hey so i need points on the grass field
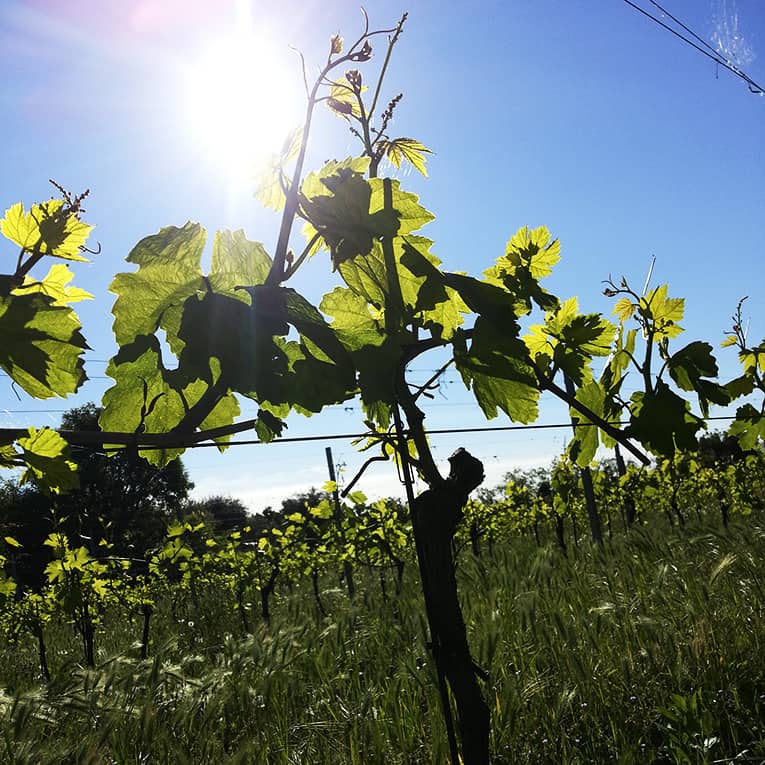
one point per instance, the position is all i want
(649, 650)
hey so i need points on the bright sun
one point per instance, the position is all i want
(241, 104)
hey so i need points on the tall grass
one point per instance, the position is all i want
(651, 649)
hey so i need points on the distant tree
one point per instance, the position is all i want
(718, 448)
(298, 502)
(25, 515)
(121, 498)
(537, 479)
(224, 514)
(264, 521)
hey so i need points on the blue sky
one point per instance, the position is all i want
(585, 117)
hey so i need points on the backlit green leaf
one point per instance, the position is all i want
(664, 312)
(46, 455)
(54, 285)
(271, 178)
(152, 297)
(495, 367)
(532, 248)
(408, 149)
(20, 227)
(748, 427)
(146, 397)
(342, 99)
(689, 366)
(583, 446)
(237, 262)
(47, 228)
(662, 421)
(42, 345)
(624, 309)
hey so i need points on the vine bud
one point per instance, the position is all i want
(354, 78)
(364, 54)
(336, 45)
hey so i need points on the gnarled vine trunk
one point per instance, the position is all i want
(435, 516)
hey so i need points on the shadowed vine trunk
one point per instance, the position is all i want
(435, 515)
(42, 653)
(265, 594)
(383, 589)
(674, 504)
(629, 502)
(722, 500)
(347, 568)
(88, 631)
(242, 609)
(559, 532)
(399, 576)
(475, 539)
(316, 594)
(146, 611)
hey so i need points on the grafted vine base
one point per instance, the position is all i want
(435, 516)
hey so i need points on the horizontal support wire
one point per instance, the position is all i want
(158, 441)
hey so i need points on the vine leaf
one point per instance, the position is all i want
(271, 180)
(664, 312)
(689, 366)
(45, 454)
(245, 341)
(349, 211)
(409, 150)
(46, 229)
(624, 309)
(237, 262)
(529, 256)
(55, 284)
(438, 307)
(346, 219)
(152, 297)
(585, 442)
(342, 99)
(568, 340)
(662, 421)
(42, 345)
(495, 367)
(352, 319)
(210, 325)
(748, 427)
(146, 397)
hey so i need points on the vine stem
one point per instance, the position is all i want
(546, 384)
(292, 203)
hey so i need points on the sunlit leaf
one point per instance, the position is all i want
(342, 99)
(582, 448)
(42, 345)
(689, 366)
(409, 150)
(662, 421)
(271, 179)
(748, 427)
(152, 297)
(664, 312)
(47, 228)
(46, 455)
(55, 286)
(624, 309)
(237, 262)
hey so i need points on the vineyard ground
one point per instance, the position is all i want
(651, 650)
